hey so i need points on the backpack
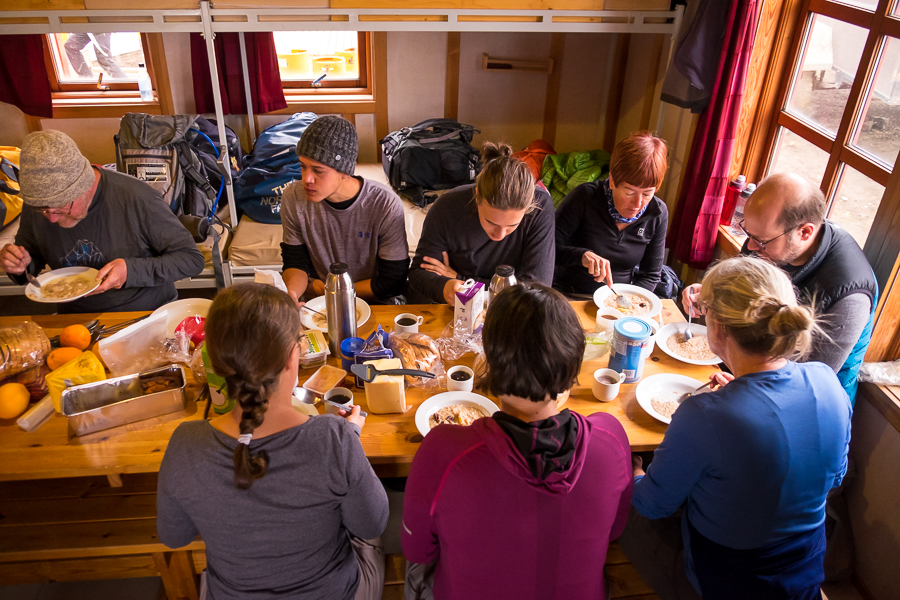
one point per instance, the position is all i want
(10, 201)
(432, 155)
(202, 145)
(270, 168)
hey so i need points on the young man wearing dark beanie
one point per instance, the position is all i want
(331, 216)
(80, 215)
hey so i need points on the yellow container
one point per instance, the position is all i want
(300, 61)
(349, 56)
(86, 368)
(332, 65)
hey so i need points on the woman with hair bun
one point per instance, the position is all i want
(284, 502)
(614, 230)
(503, 219)
(753, 461)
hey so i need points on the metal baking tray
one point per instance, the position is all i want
(95, 406)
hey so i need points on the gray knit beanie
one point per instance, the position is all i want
(52, 170)
(332, 141)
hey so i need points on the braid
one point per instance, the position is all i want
(249, 466)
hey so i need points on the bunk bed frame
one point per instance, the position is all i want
(208, 20)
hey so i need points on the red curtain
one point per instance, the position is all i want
(696, 219)
(262, 63)
(23, 75)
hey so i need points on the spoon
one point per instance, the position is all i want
(687, 395)
(32, 280)
(314, 310)
(688, 334)
(307, 397)
(368, 373)
(621, 301)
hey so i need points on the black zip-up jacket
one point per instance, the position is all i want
(583, 224)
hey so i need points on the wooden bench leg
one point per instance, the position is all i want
(177, 572)
(115, 480)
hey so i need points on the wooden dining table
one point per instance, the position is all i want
(389, 440)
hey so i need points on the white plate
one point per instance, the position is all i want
(34, 293)
(603, 292)
(319, 304)
(666, 331)
(435, 403)
(178, 311)
(663, 382)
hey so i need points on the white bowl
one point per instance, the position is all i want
(603, 292)
(318, 304)
(663, 382)
(435, 403)
(666, 331)
(34, 293)
(178, 311)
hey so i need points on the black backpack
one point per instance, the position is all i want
(432, 155)
(202, 147)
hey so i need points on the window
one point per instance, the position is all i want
(77, 60)
(839, 120)
(305, 56)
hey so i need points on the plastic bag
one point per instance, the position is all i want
(22, 346)
(139, 347)
(456, 342)
(375, 347)
(86, 368)
(197, 367)
(418, 351)
(881, 373)
(596, 344)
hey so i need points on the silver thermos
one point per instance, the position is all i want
(504, 277)
(340, 306)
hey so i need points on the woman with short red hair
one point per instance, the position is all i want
(614, 230)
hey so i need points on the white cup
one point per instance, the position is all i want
(341, 396)
(413, 328)
(606, 319)
(606, 384)
(460, 386)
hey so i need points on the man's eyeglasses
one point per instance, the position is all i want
(759, 242)
(49, 212)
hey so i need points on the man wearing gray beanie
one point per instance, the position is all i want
(332, 216)
(79, 215)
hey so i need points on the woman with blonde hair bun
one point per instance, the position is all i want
(752, 461)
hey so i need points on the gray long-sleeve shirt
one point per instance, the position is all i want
(127, 219)
(452, 226)
(287, 536)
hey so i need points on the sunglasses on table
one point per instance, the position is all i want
(759, 242)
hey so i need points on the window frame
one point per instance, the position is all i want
(361, 85)
(57, 86)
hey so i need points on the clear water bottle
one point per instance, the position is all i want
(144, 84)
(340, 306)
(504, 277)
(739, 209)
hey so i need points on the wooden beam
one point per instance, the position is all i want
(652, 76)
(616, 85)
(551, 103)
(157, 59)
(380, 86)
(34, 123)
(451, 85)
(350, 117)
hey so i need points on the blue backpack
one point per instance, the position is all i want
(270, 168)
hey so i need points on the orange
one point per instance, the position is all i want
(14, 399)
(61, 356)
(75, 336)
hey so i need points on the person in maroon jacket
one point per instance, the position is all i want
(522, 504)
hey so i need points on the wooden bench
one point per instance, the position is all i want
(83, 529)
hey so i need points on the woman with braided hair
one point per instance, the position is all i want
(750, 462)
(283, 501)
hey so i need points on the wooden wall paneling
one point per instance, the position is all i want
(157, 59)
(451, 87)
(350, 117)
(379, 67)
(616, 85)
(650, 97)
(17, 5)
(551, 103)
(34, 123)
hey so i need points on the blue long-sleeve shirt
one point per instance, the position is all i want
(753, 461)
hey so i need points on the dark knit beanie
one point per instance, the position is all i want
(332, 141)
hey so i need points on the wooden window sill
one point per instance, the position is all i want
(92, 105)
(886, 398)
(729, 243)
(327, 102)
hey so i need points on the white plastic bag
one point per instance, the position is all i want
(882, 373)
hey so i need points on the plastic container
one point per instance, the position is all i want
(630, 336)
(138, 347)
(732, 192)
(144, 84)
(314, 349)
(324, 379)
(349, 349)
(738, 215)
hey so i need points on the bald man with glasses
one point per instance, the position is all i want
(784, 222)
(78, 215)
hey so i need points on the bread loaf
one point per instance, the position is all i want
(415, 351)
(22, 346)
